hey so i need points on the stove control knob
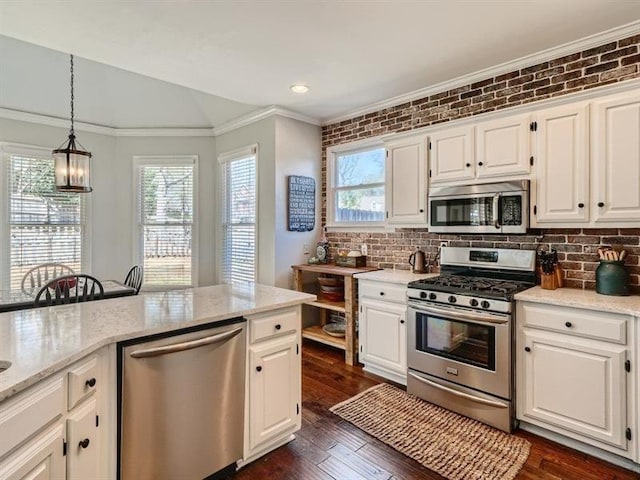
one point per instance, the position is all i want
(473, 302)
(452, 299)
(432, 296)
(423, 294)
(485, 304)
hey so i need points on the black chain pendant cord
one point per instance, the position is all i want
(72, 130)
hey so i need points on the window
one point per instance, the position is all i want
(357, 186)
(165, 197)
(239, 179)
(42, 225)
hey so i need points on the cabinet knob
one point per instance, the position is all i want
(278, 326)
(527, 349)
(568, 324)
(601, 204)
(422, 210)
(468, 165)
(83, 443)
(258, 368)
(382, 294)
(401, 321)
(91, 382)
(480, 163)
(581, 205)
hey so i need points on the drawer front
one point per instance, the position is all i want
(388, 292)
(610, 327)
(83, 381)
(273, 324)
(31, 412)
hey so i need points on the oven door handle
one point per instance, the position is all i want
(458, 315)
(468, 396)
(496, 214)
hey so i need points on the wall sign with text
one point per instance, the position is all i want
(301, 203)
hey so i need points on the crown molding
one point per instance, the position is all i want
(258, 115)
(157, 132)
(54, 121)
(585, 43)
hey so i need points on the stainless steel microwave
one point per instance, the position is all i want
(486, 208)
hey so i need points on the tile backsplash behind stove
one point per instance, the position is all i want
(577, 248)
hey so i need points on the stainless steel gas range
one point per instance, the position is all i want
(460, 332)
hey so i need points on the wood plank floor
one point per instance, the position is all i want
(328, 448)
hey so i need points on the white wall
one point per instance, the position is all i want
(112, 212)
(298, 152)
(285, 147)
(262, 133)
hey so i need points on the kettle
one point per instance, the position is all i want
(418, 262)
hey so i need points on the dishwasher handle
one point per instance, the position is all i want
(182, 346)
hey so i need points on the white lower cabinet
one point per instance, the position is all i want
(383, 330)
(52, 430)
(40, 459)
(273, 394)
(83, 446)
(574, 375)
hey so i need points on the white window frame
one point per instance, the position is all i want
(138, 239)
(237, 154)
(6, 150)
(332, 154)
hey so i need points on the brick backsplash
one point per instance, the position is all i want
(602, 65)
(577, 248)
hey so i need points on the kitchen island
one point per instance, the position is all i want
(63, 360)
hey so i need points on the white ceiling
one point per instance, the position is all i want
(351, 53)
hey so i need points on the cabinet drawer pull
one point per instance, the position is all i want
(568, 324)
(278, 326)
(259, 368)
(90, 383)
(83, 443)
(527, 349)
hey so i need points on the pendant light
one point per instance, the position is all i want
(72, 164)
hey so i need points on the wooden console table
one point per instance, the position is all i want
(349, 307)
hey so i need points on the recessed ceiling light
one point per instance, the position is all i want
(299, 88)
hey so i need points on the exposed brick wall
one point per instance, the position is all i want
(610, 63)
(577, 248)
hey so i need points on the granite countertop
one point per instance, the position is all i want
(589, 299)
(394, 276)
(42, 341)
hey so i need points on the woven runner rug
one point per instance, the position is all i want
(452, 445)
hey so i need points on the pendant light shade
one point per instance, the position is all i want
(72, 164)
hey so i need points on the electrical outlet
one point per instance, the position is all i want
(305, 249)
(444, 244)
(364, 250)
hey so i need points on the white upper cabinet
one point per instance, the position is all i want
(615, 156)
(452, 155)
(588, 164)
(503, 147)
(562, 164)
(406, 186)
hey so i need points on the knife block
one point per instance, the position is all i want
(549, 281)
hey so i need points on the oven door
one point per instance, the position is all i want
(463, 346)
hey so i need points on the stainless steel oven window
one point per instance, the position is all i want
(470, 343)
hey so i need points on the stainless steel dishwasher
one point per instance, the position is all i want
(181, 406)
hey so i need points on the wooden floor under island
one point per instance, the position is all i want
(328, 447)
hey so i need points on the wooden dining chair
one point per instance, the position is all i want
(41, 274)
(69, 289)
(134, 278)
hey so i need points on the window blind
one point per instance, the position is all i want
(45, 226)
(165, 202)
(239, 220)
